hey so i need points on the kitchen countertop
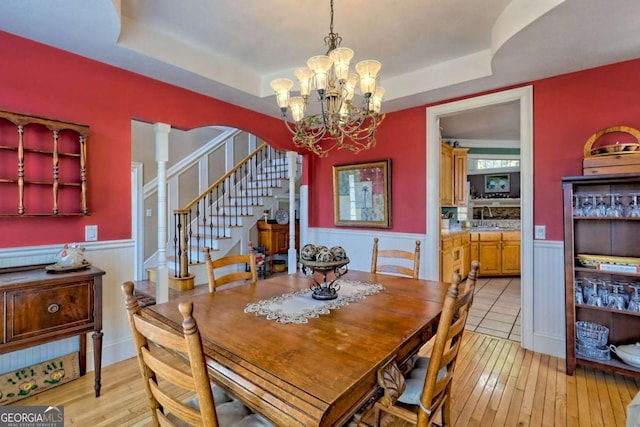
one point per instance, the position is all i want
(453, 232)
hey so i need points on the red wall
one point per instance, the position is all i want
(402, 139)
(40, 80)
(568, 109)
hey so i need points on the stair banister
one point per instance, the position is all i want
(233, 186)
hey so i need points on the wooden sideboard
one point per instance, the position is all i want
(38, 306)
(275, 239)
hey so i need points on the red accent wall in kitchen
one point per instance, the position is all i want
(40, 80)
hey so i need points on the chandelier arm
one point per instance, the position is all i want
(288, 125)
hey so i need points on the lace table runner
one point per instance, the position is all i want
(299, 306)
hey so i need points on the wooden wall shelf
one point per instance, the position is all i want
(42, 166)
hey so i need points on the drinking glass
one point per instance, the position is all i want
(616, 208)
(587, 205)
(633, 210)
(577, 208)
(578, 291)
(588, 289)
(634, 304)
(616, 299)
(603, 291)
(594, 298)
(601, 206)
(622, 292)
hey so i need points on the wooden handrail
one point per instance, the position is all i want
(220, 206)
(223, 177)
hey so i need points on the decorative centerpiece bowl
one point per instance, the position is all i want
(325, 289)
(331, 264)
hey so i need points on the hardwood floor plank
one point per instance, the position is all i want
(604, 400)
(491, 382)
(538, 398)
(594, 410)
(583, 397)
(561, 415)
(515, 406)
(548, 402)
(510, 387)
(500, 387)
(477, 385)
(465, 382)
(529, 390)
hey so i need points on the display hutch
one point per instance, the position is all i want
(611, 242)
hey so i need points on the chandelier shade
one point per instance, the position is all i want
(341, 123)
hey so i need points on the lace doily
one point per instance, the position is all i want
(299, 306)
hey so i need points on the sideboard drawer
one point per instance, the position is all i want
(42, 311)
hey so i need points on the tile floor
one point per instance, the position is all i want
(496, 308)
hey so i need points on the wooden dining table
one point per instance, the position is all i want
(318, 373)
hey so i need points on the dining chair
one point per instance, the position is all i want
(472, 277)
(230, 269)
(172, 364)
(393, 259)
(417, 396)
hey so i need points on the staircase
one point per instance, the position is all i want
(222, 216)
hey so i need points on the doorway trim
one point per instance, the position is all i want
(137, 220)
(524, 96)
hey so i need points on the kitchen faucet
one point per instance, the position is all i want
(482, 214)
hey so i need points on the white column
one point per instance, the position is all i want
(162, 156)
(292, 262)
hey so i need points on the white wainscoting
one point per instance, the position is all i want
(548, 327)
(116, 259)
(548, 298)
(359, 244)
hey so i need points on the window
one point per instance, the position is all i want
(484, 164)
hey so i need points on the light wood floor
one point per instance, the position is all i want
(497, 383)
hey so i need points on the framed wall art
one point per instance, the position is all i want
(361, 194)
(497, 183)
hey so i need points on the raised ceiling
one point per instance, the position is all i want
(430, 50)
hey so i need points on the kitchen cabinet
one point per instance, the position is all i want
(453, 250)
(466, 254)
(37, 306)
(446, 175)
(510, 256)
(460, 176)
(453, 175)
(497, 251)
(601, 250)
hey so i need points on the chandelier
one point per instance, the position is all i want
(340, 123)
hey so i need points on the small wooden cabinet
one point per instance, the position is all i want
(275, 239)
(446, 175)
(608, 236)
(37, 307)
(498, 252)
(454, 256)
(453, 175)
(460, 176)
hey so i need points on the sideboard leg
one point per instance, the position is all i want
(97, 359)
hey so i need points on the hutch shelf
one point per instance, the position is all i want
(42, 166)
(602, 249)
